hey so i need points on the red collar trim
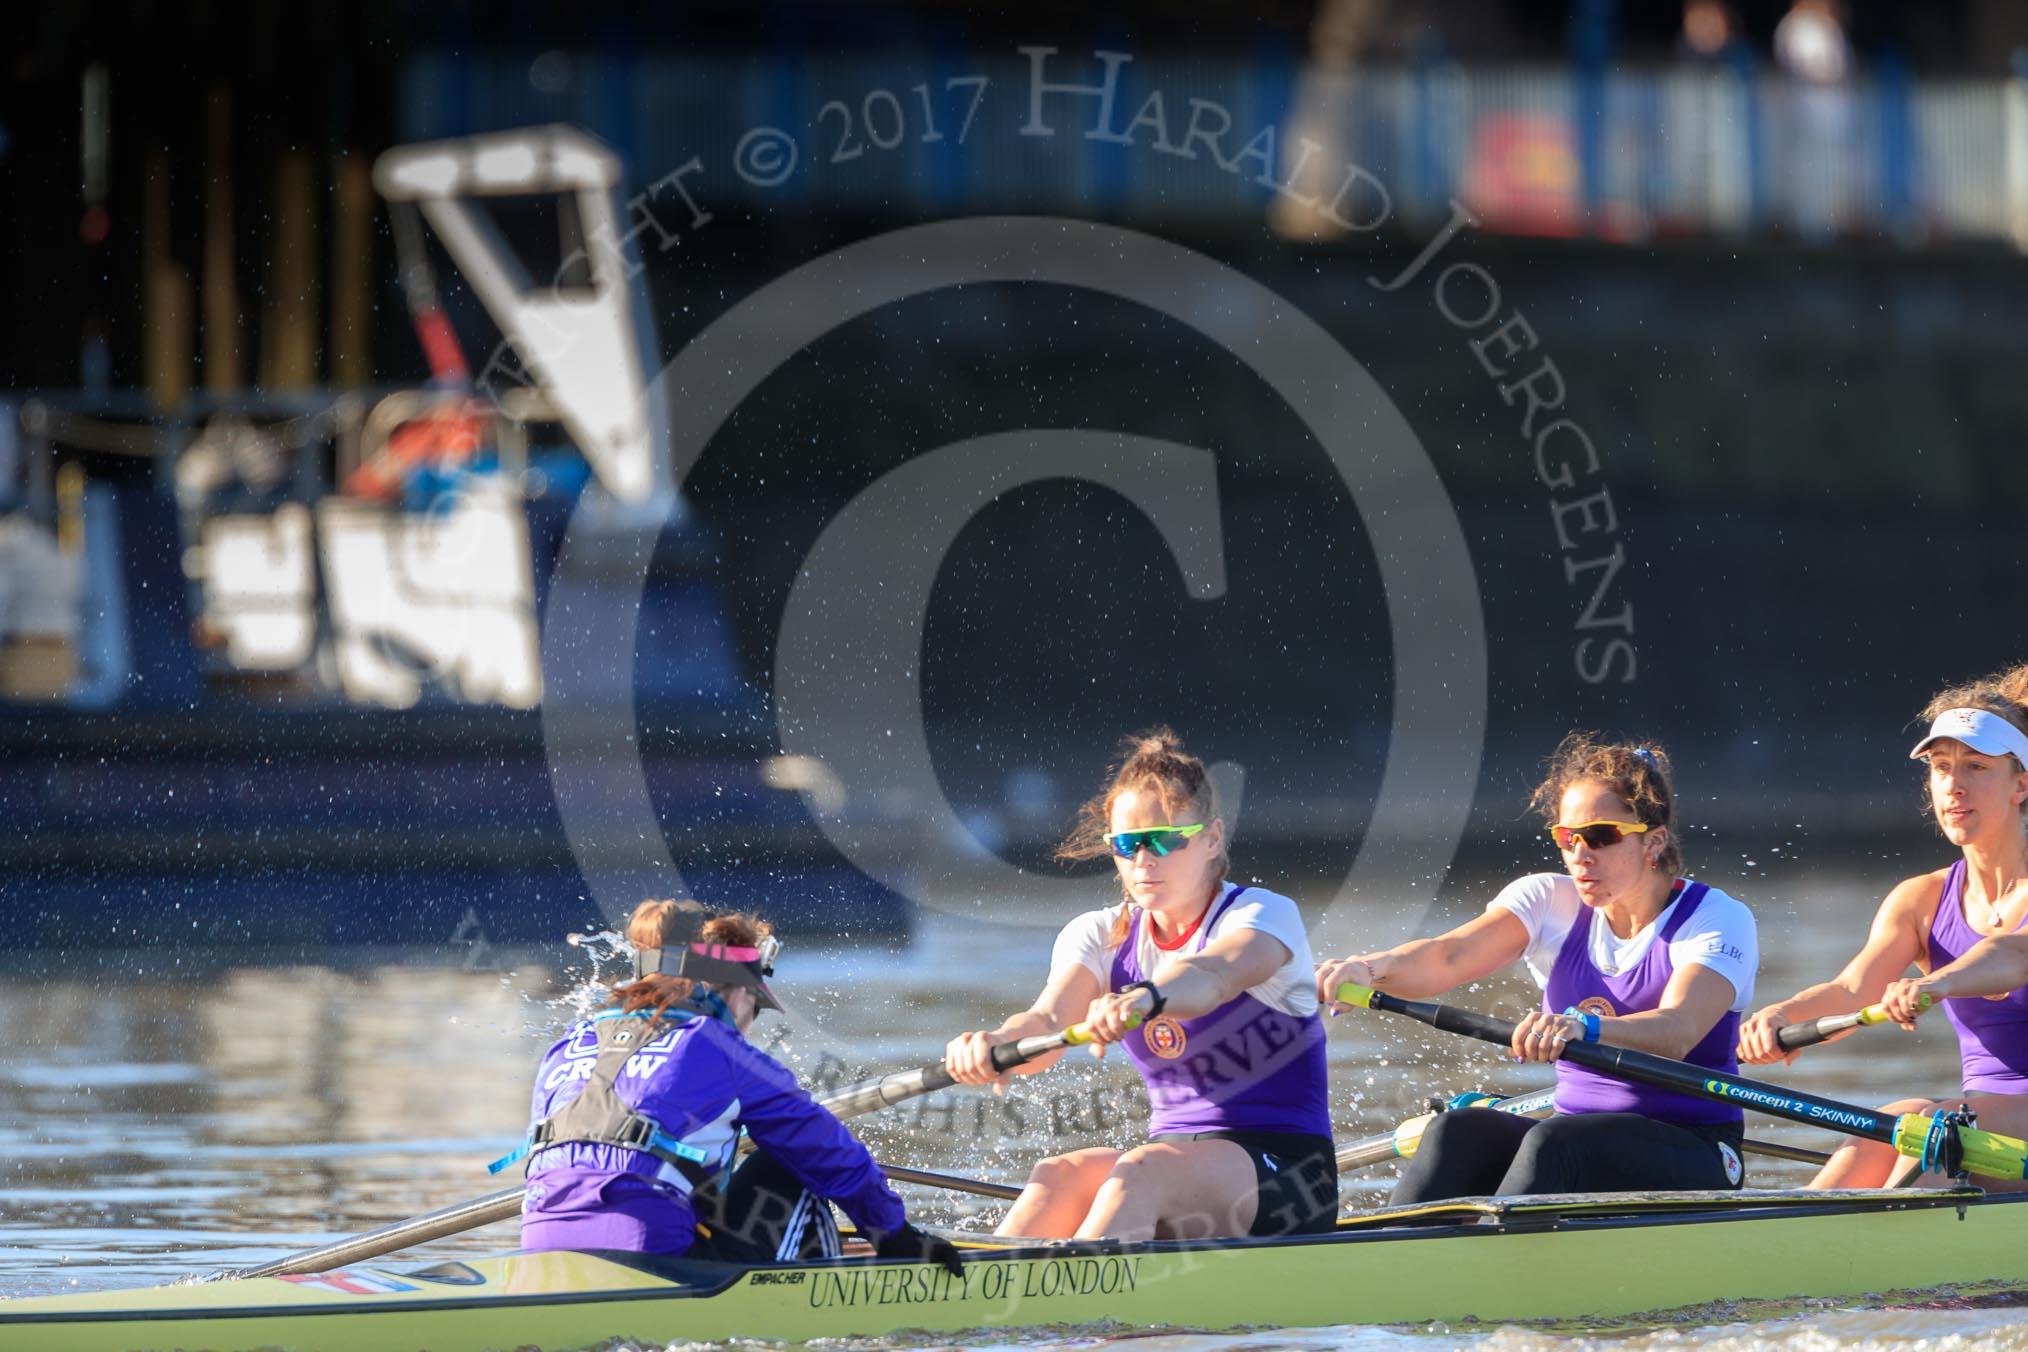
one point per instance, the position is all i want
(1189, 931)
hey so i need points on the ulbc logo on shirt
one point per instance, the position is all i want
(1597, 1004)
(1166, 1038)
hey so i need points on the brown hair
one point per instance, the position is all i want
(1639, 772)
(658, 924)
(1153, 762)
(2003, 694)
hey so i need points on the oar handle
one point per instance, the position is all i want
(1808, 1034)
(865, 1096)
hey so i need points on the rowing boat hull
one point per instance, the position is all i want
(1489, 1260)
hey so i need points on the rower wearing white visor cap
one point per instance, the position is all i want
(1961, 925)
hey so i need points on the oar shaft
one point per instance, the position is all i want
(1984, 1152)
(903, 1174)
(1642, 1068)
(1406, 1139)
(421, 1229)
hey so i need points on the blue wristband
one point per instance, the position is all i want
(1588, 1019)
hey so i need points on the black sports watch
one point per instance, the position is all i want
(1161, 1000)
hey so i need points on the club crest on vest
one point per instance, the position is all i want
(1166, 1038)
(1597, 1004)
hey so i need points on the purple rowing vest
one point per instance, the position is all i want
(1575, 981)
(1992, 1030)
(1242, 1067)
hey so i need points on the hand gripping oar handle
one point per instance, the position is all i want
(1799, 1035)
(851, 1101)
(867, 1095)
(1985, 1152)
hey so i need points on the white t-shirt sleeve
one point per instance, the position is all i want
(1722, 936)
(1293, 987)
(1082, 943)
(1270, 913)
(1548, 904)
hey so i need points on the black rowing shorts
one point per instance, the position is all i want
(1297, 1176)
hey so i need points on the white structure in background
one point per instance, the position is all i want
(446, 598)
(40, 585)
(586, 344)
(260, 587)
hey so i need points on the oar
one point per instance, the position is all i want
(902, 1174)
(1402, 1142)
(1799, 1035)
(851, 1101)
(1985, 1152)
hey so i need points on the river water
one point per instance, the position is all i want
(162, 1123)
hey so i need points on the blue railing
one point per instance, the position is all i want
(1613, 154)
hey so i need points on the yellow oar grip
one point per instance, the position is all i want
(1408, 1135)
(1874, 1014)
(1077, 1035)
(1987, 1153)
(1351, 993)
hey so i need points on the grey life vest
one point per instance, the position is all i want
(598, 1117)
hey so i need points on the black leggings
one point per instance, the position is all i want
(1482, 1152)
(762, 1214)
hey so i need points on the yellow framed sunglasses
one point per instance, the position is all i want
(1598, 835)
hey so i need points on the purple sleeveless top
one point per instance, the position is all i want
(1575, 981)
(1992, 1032)
(1242, 1067)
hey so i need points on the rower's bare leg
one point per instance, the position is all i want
(1867, 1164)
(1059, 1193)
(1179, 1190)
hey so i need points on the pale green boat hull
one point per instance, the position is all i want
(1573, 1260)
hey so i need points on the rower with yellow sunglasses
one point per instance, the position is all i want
(1206, 985)
(1627, 951)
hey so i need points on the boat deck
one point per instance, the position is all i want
(1476, 1258)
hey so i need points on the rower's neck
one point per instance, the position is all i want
(1630, 915)
(1993, 868)
(1166, 927)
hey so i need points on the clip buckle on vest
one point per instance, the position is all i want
(639, 1133)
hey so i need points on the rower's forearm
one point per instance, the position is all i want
(1997, 965)
(1417, 969)
(1673, 1033)
(1032, 1023)
(1836, 996)
(1190, 988)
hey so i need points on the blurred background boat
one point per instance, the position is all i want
(283, 509)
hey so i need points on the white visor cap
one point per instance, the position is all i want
(1987, 734)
